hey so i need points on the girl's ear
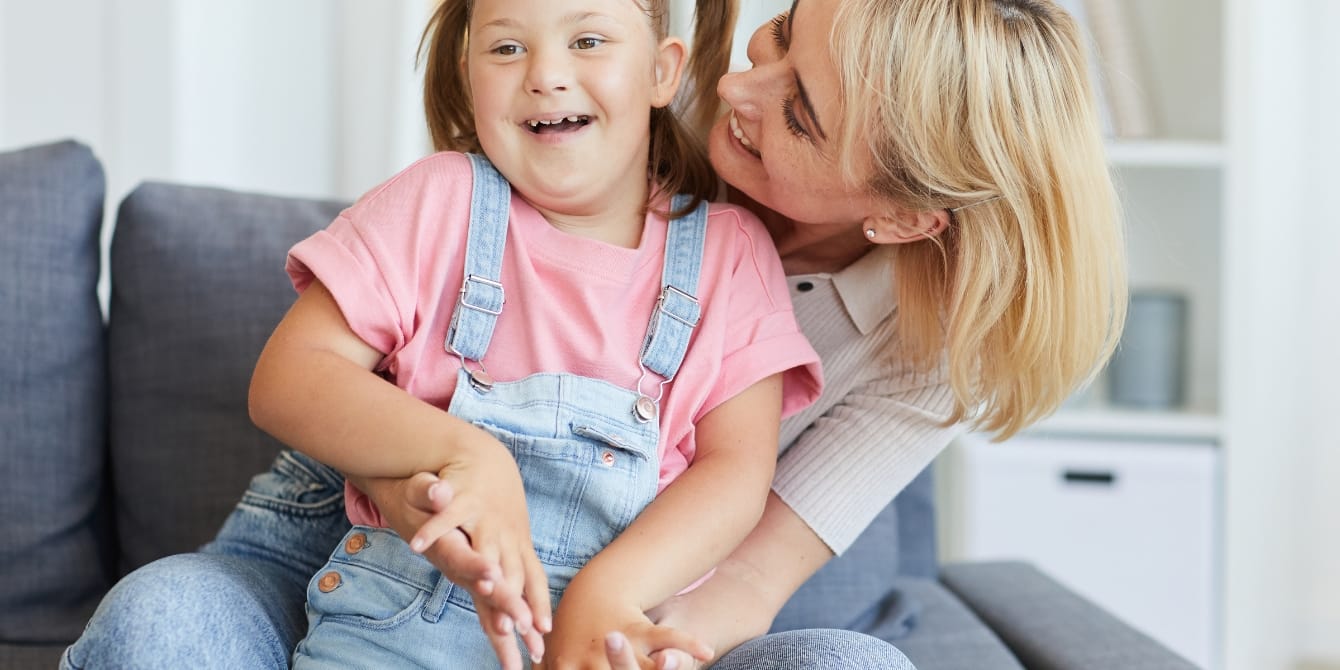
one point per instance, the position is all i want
(670, 57)
(906, 227)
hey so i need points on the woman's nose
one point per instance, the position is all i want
(746, 91)
(743, 90)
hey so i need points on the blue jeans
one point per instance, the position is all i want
(238, 602)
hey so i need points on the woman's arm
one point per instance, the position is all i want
(692, 526)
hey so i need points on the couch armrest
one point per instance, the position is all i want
(1049, 627)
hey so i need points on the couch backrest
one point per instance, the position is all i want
(198, 284)
(54, 566)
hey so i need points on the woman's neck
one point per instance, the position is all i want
(807, 248)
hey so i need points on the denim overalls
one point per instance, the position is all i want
(586, 449)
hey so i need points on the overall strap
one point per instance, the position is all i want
(481, 298)
(677, 311)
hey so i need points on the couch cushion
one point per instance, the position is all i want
(198, 284)
(52, 381)
(945, 634)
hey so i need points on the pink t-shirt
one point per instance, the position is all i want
(394, 263)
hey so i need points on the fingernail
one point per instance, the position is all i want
(544, 624)
(432, 492)
(536, 658)
(671, 662)
(505, 625)
(417, 545)
(485, 587)
(614, 641)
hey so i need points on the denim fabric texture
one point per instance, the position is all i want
(237, 603)
(588, 461)
(814, 650)
(56, 554)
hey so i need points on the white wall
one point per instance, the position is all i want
(1280, 359)
(316, 98)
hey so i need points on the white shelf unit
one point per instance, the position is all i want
(1125, 522)
(1124, 505)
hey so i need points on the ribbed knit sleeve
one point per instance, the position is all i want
(876, 426)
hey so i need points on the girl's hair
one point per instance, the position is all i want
(985, 108)
(677, 158)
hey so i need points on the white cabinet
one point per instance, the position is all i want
(1129, 524)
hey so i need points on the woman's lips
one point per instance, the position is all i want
(740, 136)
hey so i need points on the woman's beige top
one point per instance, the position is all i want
(877, 423)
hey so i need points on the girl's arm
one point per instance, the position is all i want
(890, 426)
(314, 390)
(691, 527)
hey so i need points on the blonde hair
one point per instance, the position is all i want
(677, 157)
(959, 102)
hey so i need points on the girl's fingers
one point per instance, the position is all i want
(453, 555)
(674, 659)
(621, 656)
(537, 593)
(438, 526)
(424, 491)
(498, 629)
(665, 638)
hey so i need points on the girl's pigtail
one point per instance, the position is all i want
(713, 28)
(446, 93)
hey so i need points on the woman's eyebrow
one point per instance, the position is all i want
(800, 86)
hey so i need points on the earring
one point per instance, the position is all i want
(870, 233)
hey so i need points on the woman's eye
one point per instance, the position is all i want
(779, 31)
(789, 116)
(587, 42)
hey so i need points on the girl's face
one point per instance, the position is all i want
(773, 142)
(562, 91)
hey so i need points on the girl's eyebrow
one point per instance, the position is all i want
(800, 86)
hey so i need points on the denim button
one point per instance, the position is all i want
(329, 582)
(607, 458)
(355, 544)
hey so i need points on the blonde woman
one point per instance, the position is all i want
(932, 174)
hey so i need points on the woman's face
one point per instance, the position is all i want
(773, 143)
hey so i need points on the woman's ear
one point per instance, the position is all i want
(905, 227)
(670, 58)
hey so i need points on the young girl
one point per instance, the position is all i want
(586, 349)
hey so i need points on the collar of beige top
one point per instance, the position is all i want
(865, 287)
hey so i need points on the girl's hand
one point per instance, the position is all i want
(621, 655)
(479, 537)
(593, 631)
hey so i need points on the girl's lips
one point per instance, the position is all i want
(740, 136)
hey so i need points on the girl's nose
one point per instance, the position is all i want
(547, 73)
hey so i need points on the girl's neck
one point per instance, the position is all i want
(805, 248)
(617, 221)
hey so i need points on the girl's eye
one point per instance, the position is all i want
(789, 116)
(779, 31)
(587, 42)
(507, 50)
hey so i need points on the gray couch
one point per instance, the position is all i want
(126, 440)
